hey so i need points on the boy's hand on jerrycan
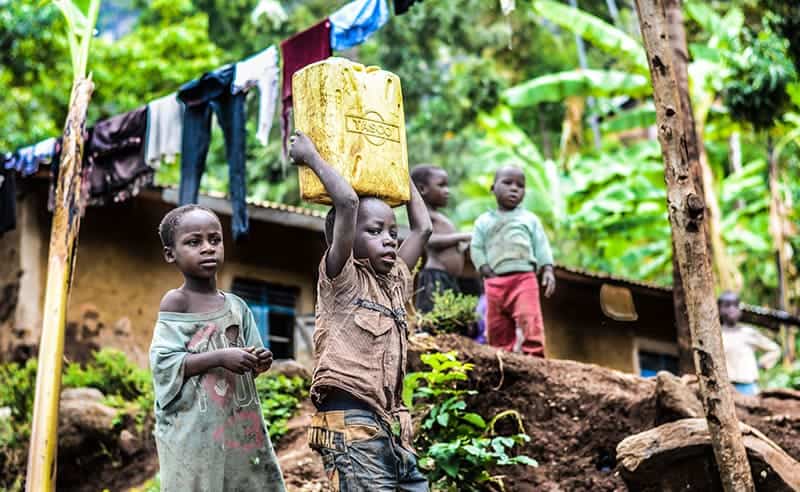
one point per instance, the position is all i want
(301, 150)
(237, 360)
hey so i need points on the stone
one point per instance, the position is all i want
(129, 443)
(85, 394)
(675, 400)
(678, 456)
(290, 368)
(82, 422)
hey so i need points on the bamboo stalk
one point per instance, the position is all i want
(41, 474)
(688, 215)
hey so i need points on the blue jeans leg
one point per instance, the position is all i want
(365, 456)
(194, 149)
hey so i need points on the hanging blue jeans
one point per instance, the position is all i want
(212, 93)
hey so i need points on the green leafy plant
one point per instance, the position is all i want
(452, 312)
(457, 447)
(280, 399)
(125, 385)
(756, 87)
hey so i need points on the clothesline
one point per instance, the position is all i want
(122, 152)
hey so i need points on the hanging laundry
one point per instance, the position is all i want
(402, 6)
(305, 48)
(508, 6)
(260, 70)
(352, 24)
(114, 156)
(164, 130)
(213, 92)
(27, 159)
(8, 201)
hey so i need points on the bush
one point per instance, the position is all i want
(280, 398)
(452, 313)
(457, 447)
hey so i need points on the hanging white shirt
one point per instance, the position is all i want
(260, 70)
(164, 130)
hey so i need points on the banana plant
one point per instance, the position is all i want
(80, 29)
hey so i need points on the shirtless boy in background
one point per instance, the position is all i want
(445, 257)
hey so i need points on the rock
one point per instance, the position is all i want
(678, 456)
(290, 368)
(82, 394)
(675, 400)
(84, 421)
(129, 443)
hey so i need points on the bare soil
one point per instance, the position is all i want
(575, 414)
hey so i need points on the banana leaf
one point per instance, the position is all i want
(558, 86)
(596, 31)
(638, 117)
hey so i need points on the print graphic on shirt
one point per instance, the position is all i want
(220, 385)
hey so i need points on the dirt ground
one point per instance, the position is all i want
(575, 413)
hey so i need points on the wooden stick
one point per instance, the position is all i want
(687, 214)
(41, 475)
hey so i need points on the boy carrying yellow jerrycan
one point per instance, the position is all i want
(354, 116)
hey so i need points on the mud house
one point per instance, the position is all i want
(120, 278)
(120, 274)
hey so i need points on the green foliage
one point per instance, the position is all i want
(452, 312)
(596, 31)
(280, 399)
(457, 447)
(125, 385)
(756, 87)
(558, 86)
(17, 389)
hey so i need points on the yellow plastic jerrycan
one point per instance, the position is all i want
(354, 115)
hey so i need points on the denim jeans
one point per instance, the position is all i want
(360, 453)
(212, 93)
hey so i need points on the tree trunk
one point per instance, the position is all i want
(777, 218)
(683, 332)
(687, 214)
(41, 472)
(677, 40)
(735, 159)
(589, 100)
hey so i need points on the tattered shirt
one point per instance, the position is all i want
(210, 431)
(361, 338)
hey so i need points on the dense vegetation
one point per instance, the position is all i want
(127, 388)
(482, 90)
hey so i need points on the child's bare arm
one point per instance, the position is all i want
(421, 228)
(237, 360)
(345, 201)
(444, 241)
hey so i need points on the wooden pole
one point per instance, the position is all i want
(680, 60)
(687, 215)
(41, 475)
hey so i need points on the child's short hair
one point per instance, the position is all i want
(166, 229)
(421, 174)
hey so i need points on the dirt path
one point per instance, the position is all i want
(302, 467)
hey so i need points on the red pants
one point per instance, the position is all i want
(513, 302)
